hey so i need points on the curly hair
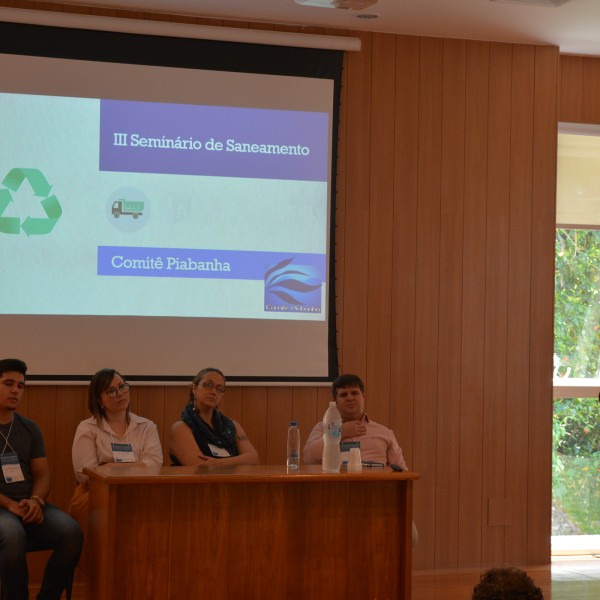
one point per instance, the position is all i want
(507, 583)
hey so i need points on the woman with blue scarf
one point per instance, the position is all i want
(205, 436)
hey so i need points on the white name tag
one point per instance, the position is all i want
(122, 453)
(11, 468)
(218, 452)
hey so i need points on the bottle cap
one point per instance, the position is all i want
(293, 424)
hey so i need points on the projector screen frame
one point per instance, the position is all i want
(165, 51)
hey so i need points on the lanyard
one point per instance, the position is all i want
(6, 437)
(122, 452)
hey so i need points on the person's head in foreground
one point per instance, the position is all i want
(507, 583)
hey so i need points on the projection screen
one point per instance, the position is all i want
(165, 205)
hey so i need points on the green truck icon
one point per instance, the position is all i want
(127, 207)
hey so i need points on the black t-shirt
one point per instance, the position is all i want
(26, 440)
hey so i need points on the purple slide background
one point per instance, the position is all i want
(244, 125)
(244, 264)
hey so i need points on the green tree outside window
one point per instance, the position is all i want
(576, 427)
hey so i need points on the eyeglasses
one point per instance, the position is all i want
(120, 389)
(209, 385)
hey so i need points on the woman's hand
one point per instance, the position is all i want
(207, 461)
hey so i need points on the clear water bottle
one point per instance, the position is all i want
(332, 436)
(293, 446)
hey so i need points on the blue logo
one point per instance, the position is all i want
(293, 288)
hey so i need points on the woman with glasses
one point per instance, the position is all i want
(112, 435)
(205, 436)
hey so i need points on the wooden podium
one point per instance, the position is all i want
(245, 533)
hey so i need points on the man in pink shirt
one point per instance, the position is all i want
(377, 442)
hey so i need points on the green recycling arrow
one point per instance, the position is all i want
(41, 188)
(5, 200)
(35, 177)
(10, 225)
(36, 226)
(7, 224)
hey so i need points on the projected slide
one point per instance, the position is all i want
(123, 207)
(159, 218)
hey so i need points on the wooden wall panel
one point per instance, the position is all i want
(579, 89)
(450, 301)
(379, 283)
(542, 305)
(175, 398)
(496, 304)
(591, 90)
(354, 293)
(519, 293)
(255, 417)
(403, 269)
(444, 264)
(308, 407)
(279, 410)
(427, 288)
(571, 89)
(69, 413)
(470, 482)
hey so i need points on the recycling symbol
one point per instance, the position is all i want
(41, 189)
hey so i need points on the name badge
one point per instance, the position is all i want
(122, 453)
(218, 452)
(345, 448)
(11, 468)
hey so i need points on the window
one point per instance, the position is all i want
(576, 425)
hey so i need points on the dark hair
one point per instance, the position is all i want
(200, 376)
(345, 381)
(507, 583)
(98, 385)
(13, 364)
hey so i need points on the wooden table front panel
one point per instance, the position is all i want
(310, 539)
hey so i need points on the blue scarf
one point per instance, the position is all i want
(222, 434)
